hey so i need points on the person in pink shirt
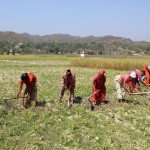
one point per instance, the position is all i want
(138, 79)
(121, 82)
(99, 88)
(68, 83)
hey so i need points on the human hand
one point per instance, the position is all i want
(129, 92)
(17, 95)
(26, 95)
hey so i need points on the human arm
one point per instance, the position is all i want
(95, 87)
(142, 81)
(127, 89)
(128, 85)
(73, 83)
(137, 91)
(96, 82)
(19, 91)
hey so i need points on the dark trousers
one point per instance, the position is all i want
(70, 92)
(32, 97)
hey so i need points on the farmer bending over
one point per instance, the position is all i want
(138, 79)
(30, 92)
(98, 87)
(121, 82)
(147, 74)
(68, 83)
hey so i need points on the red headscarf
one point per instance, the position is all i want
(101, 71)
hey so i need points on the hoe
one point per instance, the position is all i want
(88, 98)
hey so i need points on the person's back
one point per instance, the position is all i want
(121, 82)
(147, 74)
(69, 78)
(30, 81)
(98, 87)
(30, 92)
(68, 83)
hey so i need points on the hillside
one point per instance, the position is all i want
(64, 43)
(12, 36)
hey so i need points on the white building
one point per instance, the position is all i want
(82, 54)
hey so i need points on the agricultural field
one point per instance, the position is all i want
(52, 125)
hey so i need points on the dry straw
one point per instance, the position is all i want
(114, 64)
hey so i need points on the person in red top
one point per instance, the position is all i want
(30, 92)
(68, 83)
(98, 87)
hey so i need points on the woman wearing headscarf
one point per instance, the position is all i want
(138, 79)
(99, 88)
(68, 84)
(147, 74)
(122, 81)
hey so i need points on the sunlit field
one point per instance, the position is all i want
(52, 125)
(111, 63)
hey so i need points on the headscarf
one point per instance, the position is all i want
(101, 71)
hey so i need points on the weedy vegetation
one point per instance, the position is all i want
(111, 63)
(52, 125)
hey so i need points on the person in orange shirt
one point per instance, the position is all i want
(147, 74)
(30, 92)
(68, 83)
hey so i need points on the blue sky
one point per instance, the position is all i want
(123, 18)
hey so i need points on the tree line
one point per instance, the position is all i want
(91, 48)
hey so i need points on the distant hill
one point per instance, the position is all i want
(65, 43)
(14, 37)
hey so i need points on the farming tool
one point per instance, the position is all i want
(5, 99)
(141, 93)
(88, 98)
(14, 98)
(9, 105)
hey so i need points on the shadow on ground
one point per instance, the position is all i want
(77, 100)
(41, 104)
